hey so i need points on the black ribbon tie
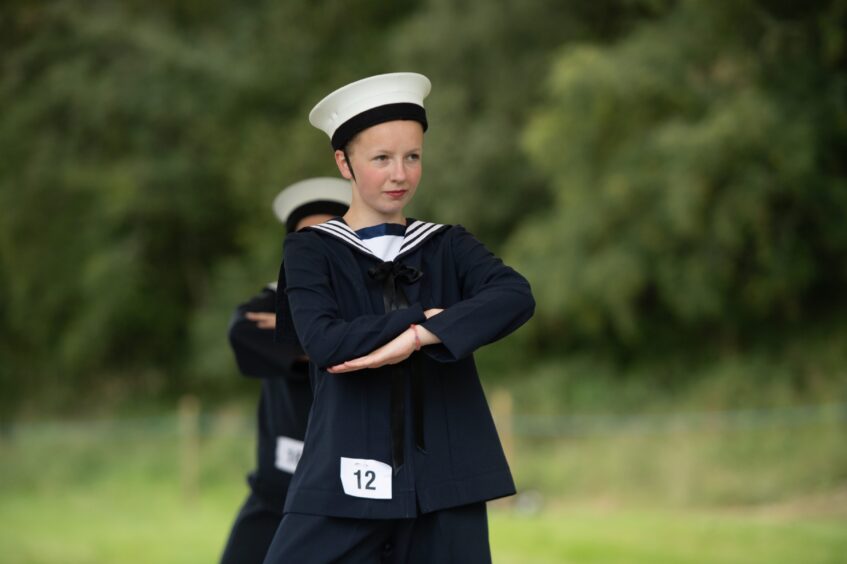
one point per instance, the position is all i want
(392, 274)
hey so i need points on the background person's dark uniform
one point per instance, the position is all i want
(283, 412)
(275, 356)
(431, 497)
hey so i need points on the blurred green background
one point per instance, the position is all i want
(668, 174)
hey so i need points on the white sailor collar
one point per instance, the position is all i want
(417, 232)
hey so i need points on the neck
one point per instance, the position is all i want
(357, 219)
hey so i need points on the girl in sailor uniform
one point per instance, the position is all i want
(401, 452)
(282, 367)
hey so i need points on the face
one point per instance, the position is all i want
(386, 160)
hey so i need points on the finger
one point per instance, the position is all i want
(367, 361)
(260, 315)
(359, 363)
(341, 369)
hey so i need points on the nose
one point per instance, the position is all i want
(398, 171)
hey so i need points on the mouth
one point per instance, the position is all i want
(395, 194)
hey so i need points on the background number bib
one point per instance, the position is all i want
(288, 452)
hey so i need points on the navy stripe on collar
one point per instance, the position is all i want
(340, 231)
(415, 237)
(394, 229)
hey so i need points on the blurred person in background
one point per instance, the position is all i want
(282, 366)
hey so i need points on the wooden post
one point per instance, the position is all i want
(189, 446)
(501, 409)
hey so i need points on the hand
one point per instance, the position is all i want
(393, 352)
(264, 320)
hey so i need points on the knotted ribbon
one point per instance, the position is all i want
(392, 273)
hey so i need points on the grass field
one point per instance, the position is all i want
(144, 525)
(137, 492)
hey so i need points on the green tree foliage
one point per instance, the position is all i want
(112, 219)
(140, 147)
(652, 165)
(488, 60)
(697, 178)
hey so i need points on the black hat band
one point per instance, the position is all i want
(314, 208)
(374, 116)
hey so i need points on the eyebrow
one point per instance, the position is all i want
(414, 150)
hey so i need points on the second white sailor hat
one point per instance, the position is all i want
(323, 195)
(371, 101)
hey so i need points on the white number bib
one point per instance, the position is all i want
(361, 477)
(288, 452)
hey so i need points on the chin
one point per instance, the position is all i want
(392, 211)
(389, 211)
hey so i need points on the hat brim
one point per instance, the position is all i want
(323, 195)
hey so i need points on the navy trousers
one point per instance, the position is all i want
(457, 535)
(252, 532)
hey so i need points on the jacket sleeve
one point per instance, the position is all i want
(496, 300)
(256, 352)
(326, 336)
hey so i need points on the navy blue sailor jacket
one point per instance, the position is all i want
(450, 452)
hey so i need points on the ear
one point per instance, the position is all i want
(343, 165)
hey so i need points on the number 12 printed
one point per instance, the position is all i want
(370, 479)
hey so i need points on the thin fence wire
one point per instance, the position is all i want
(524, 425)
(581, 425)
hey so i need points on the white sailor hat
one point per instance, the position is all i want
(311, 196)
(371, 101)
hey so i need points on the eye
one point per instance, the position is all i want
(380, 158)
(413, 157)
